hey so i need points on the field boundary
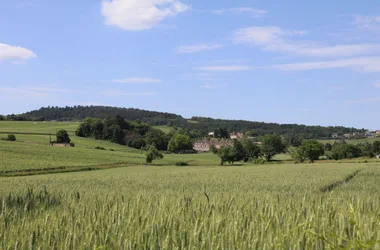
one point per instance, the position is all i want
(58, 170)
(337, 184)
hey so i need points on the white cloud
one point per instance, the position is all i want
(197, 48)
(140, 14)
(366, 64)
(137, 80)
(8, 52)
(26, 4)
(224, 68)
(122, 93)
(208, 86)
(252, 11)
(272, 38)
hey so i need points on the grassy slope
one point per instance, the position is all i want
(33, 151)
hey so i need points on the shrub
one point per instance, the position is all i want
(100, 148)
(112, 149)
(181, 164)
(63, 136)
(11, 137)
(72, 144)
(259, 161)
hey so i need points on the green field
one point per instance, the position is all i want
(204, 206)
(271, 207)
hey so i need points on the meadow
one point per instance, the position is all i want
(127, 205)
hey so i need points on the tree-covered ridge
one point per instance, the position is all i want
(201, 124)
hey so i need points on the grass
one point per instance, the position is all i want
(164, 129)
(271, 207)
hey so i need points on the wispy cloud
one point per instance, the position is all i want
(224, 68)
(254, 12)
(197, 48)
(26, 4)
(208, 86)
(8, 52)
(366, 100)
(122, 93)
(137, 80)
(272, 38)
(366, 64)
(140, 14)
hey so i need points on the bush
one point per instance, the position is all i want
(100, 148)
(63, 136)
(181, 164)
(112, 149)
(259, 161)
(11, 137)
(72, 144)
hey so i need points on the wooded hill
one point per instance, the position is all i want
(167, 119)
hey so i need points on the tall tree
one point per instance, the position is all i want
(312, 150)
(271, 145)
(180, 143)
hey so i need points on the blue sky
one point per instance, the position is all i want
(309, 62)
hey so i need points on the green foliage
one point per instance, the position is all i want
(99, 148)
(202, 124)
(180, 143)
(239, 151)
(293, 140)
(312, 150)
(328, 147)
(213, 149)
(251, 149)
(226, 154)
(152, 154)
(222, 133)
(181, 164)
(376, 147)
(271, 145)
(344, 150)
(297, 153)
(11, 137)
(62, 136)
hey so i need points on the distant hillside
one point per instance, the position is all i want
(167, 119)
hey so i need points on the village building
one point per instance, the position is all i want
(234, 135)
(204, 145)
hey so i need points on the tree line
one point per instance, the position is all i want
(135, 134)
(202, 124)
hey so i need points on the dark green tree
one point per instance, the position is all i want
(312, 150)
(271, 145)
(328, 147)
(62, 136)
(226, 154)
(376, 147)
(239, 151)
(179, 143)
(152, 154)
(11, 137)
(252, 150)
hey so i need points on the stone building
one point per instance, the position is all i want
(205, 144)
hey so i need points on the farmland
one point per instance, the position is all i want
(127, 205)
(272, 206)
